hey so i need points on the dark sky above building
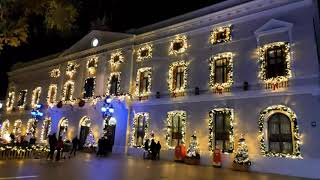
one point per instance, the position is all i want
(121, 15)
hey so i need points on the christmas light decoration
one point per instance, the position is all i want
(45, 130)
(23, 94)
(144, 52)
(230, 118)
(116, 59)
(35, 97)
(142, 72)
(92, 65)
(135, 125)
(220, 34)
(52, 95)
(64, 125)
(90, 141)
(178, 45)
(17, 128)
(54, 73)
(220, 87)
(5, 134)
(117, 74)
(71, 68)
(242, 154)
(193, 150)
(10, 100)
(296, 154)
(274, 82)
(32, 127)
(68, 84)
(169, 125)
(173, 90)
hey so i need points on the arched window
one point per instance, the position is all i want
(140, 129)
(280, 134)
(46, 128)
(176, 124)
(63, 128)
(84, 129)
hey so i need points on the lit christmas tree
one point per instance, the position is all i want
(242, 154)
(193, 149)
(90, 141)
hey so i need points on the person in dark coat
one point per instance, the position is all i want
(100, 146)
(75, 143)
(153, 147)
(158, 148)
(52, 145)
(59, 147)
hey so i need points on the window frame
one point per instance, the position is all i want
(135, 127)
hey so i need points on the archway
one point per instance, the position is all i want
(84, 129)
(63, 128)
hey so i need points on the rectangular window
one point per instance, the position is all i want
(68, 92)
(144, 82)
(22, 98)
(275, 59)
(221, 70)
(52, 94)
(222, 132)
(140, 126)
(176, 130)
(114, 85)
(178, 77)
(89, 87)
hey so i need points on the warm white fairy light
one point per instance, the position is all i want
(230, 117)
(214, 36)
(5, 130)
(274, 81)
(71, 68)
(116, 59)
(46, 129)
(144, 92)
(181, 41)
(220, 87)
(296, 154)
(10, 100)
(68, 84)
(24, 94)
(117, 74)
(54, 73)
(35, 97)
(169, 126)
(32, 127)
(144, 52)
(93, 88)
(92, 65)
(135, 125)
(52, 95)
(17, 128)
(171, 81)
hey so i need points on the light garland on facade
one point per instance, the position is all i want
(168, 122)
(31, 127)
(230, 115)
(110, 81)
(65, 88)
(35, 97)
(182, 39)
(51, 98)
(220, 87)
(94, 87)
(294, 127)
(22, 106)
(5, 130)
(45, 130)
(138, 81)
(17, 128)
(10, 101)
(135, 125)
(54, 73)
(144, 52)
(273, 82)
(214, 34)
(116, 59)
(71, 68)
(171, 79)
(92, 65)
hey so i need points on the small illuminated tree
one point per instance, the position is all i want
(90, 141)
(193, 150)
(242, 154)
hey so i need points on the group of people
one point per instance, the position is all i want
(62, 148)
(152, 149)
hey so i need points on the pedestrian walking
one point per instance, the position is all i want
(146, 149)
(59, 147)
(52, 145)
(153, 149)
(75, 144)
(158, 148)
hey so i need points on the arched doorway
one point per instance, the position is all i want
(63, 128)
(84, 129)
(5, 130)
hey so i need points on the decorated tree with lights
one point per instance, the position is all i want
(242, 154)
(90, 141)
(193, 151)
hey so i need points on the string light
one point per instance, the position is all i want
(71, 68)
(35, 97)
(92, 65)
(168, 122)
(135, 125)
(144, 92)
(178, 45)
(10, 100)
(225, 86)
(117, 74)
(68, 84)
(229, 118)
(5, 130)
(144, 52)
(296, 154)
(17, 128)
(215, 38)
(116, 59)
(174, 90)
(23, 94)
(52, 97)
(54, 73)
(46, 129)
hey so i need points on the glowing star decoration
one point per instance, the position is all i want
(46, 129)
(71, 68)
(225, 86)
(169, 126)
(112, 75)
(92, 65)
(172, 81)
(296, 140)
(35, 97)
(144, 52)
(178, 45)
(68, 90)
(135, 127)
(279, 81)
(52, 95)
(10, 101)
(143, 79)
(229, 118)
(116, 59)
(54, 73)
(220, 34)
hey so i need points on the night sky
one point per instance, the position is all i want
(122, 15)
